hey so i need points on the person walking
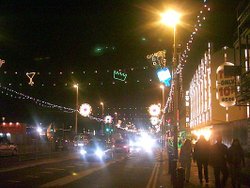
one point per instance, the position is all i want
(219, 154)
(236, 161)
(201, 157)
(186, 158)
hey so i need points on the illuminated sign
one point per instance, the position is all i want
(119, 75)
(225, 86)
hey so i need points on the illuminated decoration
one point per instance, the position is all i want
(225, 87)
(119, 75)
(14, 94)
(85, 110)
(31, 76)
(154, 110)
(164, 76)
(1, 62)
(187, 104)
(158, 59)
(200, 92)
(108, 119)
(154, 120)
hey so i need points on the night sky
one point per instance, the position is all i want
(68, 41)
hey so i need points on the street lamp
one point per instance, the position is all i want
(76, 121)
(172, 18)
(102, 126)
(163, 113)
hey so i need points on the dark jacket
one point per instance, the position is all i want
(201, 150)
(236, 156)
(219, 155)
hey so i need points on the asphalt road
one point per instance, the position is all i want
(134, 170)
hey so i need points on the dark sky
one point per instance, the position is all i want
(50, 37)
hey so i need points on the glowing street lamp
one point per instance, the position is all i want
(102, 126)
(172, 18)
(76, 120)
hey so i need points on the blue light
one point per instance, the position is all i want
(164, 76)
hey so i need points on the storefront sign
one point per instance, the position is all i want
(225, 86)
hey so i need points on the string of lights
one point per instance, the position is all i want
(96, 71)
(183, 57)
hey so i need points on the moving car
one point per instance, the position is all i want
(7, 148)
(96, 149)
(121, 145)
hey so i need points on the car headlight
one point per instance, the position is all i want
(99, 153)
(82, 152)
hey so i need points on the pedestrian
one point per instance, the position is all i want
(186, 158)
(236, 161)
(201, 157)
(219, 154)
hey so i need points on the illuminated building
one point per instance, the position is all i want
(212, 108)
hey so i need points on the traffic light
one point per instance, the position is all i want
(108, 129)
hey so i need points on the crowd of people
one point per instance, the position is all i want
(225, 161)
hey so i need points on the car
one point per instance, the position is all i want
(63, 144)
(121, 145)
(7, 148)
(96, 149)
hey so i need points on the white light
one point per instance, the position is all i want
(154, 120)
(99, 153)
(82, 152)
(85, 110)
(154, 110)
(8, 134)
(170, 18)
(108, 119)
(39, 130)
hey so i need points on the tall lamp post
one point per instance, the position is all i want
(172, 18)
(102, 104)
(163, 113)
(76, 120)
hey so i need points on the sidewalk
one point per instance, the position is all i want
(165, 177)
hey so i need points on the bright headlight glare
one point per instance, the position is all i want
(99, 153)
(83, 152)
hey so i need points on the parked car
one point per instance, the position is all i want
(7, 148)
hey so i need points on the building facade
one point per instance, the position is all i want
(212, 99)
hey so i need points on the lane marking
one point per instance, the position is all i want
(69, 166)
(156, 175)
(47, 172)
(55, 169)
(152, 176)
(68, 179)
(13, 181)
(32, 176)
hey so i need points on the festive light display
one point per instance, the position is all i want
(154, 120)
(1, 62)
(31, 76)
(164, 76)
(119, 75)
(108, 119)
(154, 110)
(85, 110)
(14, 94)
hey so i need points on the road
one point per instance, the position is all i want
(133, 170)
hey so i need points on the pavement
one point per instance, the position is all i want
(165, 177)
